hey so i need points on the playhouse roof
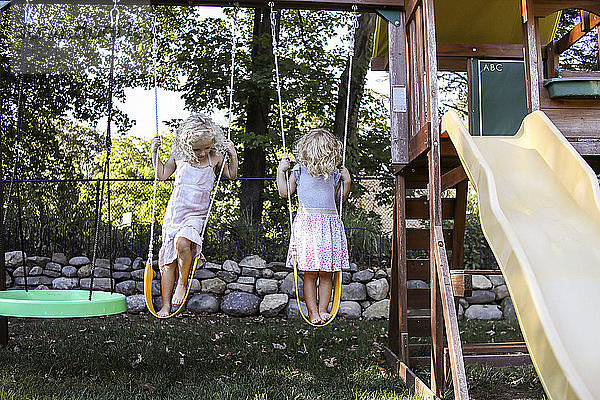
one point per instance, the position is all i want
(476, 21)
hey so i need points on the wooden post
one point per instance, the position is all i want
(398, 92)
(435, 194)
(532, 55)
(460, 213)
(3, 320)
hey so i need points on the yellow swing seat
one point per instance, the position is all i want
(337, 296)
(149, 277)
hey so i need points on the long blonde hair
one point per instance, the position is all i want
(319, 151)
(197, 127)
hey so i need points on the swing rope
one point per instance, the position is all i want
(149, 272)
(14, 182)
(337, 290)
(114, 22)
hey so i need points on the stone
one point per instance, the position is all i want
(65, 283)
(231, 266)
(122, 267)
(253, 262)
(267, 286)
(460, 312)
(127, 288)
(38, 260)
(363, 276)
(354, 291)
(350, 310)
(211, 266)
(138, 263)
(99, 283)
(34, 281)
(103, 263)
(496, 280)
(288, 286)
(69, 271)
(13, 259)
(416, 284)
(480, 282)
(9, 280)
(365, 303)
(247, 280)
(227, 276)
(195, 286)
(483, 312)
(100, 272)
(346, 277)
(60, 258)
(278, 266)
(352, 267)
(31, 271)
(138, 274)
(42, 287)
(464, 303)
(240, 304)
(203, 303)
(481, 297)
(280, 275)
(85, 271)
(255, 273)
(240, 287)
(508, 310)
(156, 289)
(204, 274)
(79, 261)
(378, 290)
(380, 273)
(214, 285)
(291, 310)
(135, 303)
(52, 266)
(123, 260)
(377, 310)
(272, 304)
(121, 275)
(267, 273)
(501, 292)
(51, 273)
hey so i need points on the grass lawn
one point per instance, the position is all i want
(214, 357)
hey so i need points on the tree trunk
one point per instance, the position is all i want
(363, 49)
(257, 122)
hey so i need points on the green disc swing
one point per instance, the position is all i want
(62, 303)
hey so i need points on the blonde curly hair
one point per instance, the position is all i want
(197, 127)
(319, 151)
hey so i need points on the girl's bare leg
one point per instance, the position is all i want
(167, 281)
(325, 284)
(310, 296)
(184, 262)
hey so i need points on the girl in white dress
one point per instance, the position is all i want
(197, 155)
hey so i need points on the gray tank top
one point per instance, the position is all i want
(315, 192)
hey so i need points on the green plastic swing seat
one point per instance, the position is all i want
(60, 303)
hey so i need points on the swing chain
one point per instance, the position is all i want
(154, 162)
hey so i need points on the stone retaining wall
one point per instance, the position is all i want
(249, 288)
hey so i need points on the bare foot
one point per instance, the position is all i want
(325, 316)
(165, 310)
(179, 294)
(314, 318)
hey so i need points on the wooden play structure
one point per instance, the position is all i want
(415, 40)
(422, 39)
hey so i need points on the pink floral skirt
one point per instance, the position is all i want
(320, 241)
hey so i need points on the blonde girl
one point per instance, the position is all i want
(198, 151)
(317, 232)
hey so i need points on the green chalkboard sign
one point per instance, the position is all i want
(498, 97)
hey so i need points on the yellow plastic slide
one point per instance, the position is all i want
(539, 204)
